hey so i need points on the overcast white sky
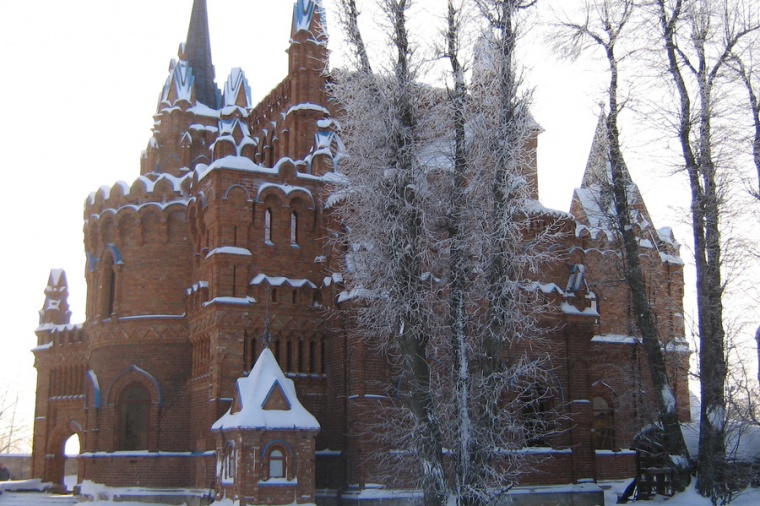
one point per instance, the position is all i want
(79, 81)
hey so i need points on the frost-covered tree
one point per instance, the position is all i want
(698, 38)
(438, 207)
(603, 24)
(391, 224)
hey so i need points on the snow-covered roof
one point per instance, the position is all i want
(260, 394)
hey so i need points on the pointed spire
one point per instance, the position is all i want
(55, 311)
(593, 201)
(198, 54)
(309, 16)
(598, 169)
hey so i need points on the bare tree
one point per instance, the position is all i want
(743, 63)
(698, 38)
(603, 25)
(14, 436)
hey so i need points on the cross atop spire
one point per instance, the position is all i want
(198, 54)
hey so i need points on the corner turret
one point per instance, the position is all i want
(308, 39)
(306, 84)
(187, 112)
(55, 310)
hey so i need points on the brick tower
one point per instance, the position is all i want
(219, 249)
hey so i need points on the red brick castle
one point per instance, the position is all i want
(223, 239)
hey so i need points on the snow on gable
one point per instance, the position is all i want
(303, 14)
(260, 406)
(55, 277)
(179, 84)
(237, 92)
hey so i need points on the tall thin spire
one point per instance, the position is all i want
(598, 168)
(198, 55)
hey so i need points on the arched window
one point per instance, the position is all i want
(134, 414)
(537, 416)
(293, 229)
(228, 470)
(277, 463)
(268, 226)
(604, 431)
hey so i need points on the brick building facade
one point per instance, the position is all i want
(223, 238)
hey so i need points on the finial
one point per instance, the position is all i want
(266, 336)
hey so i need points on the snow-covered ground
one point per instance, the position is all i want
(750, 497)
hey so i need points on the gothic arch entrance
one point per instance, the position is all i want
(55, 458)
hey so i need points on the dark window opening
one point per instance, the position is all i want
(604, 431)
(134, 414)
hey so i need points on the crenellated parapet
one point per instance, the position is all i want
(136, 241)
(145, 190)
(147, 211)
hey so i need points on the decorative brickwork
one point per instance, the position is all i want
(221, 248)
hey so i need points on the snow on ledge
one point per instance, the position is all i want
(278, 482)
(568, 308)
(307, 107)
(144, 453)
(60, 328)
(280, 281)
(153, 317)
(229, 250)
(240, 301)
(100, 492)
(670, 259)
(328, 453)
(621, 452)
(43, 347)
(615, 339)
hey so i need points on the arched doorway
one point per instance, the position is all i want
(71, 449)
(63, 441)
